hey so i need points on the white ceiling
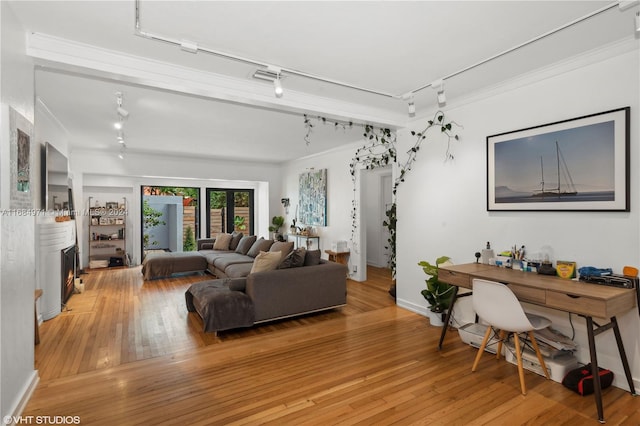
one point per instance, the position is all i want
(388, 46)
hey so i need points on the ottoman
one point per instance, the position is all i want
(220, 307)
(158, 265)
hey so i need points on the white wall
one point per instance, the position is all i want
(339, 193)
(442, 205)
(17, 238)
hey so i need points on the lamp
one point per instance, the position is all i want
(438, 86)
(410, 103)
(122, 112)
(412, 108)
(277, 87)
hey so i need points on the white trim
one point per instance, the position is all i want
(29, 388)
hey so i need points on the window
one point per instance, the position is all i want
(229, 210)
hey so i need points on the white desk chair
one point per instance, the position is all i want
(496, 304)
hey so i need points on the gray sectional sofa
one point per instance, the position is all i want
(302, 283)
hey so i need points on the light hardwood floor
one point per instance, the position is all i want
(127, 353)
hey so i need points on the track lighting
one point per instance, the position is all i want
(277, 87)
(410, 103)
(438, 86)
(638, 22)
(122, 112)
(122, 115)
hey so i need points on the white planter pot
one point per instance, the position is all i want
(435, 318)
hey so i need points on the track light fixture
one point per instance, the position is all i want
(438, 86)
(277, 87)
(638, 22)
(122, 115)
(122, 112)
(411, 106)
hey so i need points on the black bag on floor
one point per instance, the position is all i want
(580, 380)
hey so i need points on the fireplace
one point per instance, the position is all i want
(68, 269)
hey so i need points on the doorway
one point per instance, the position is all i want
(170, 218)
(377, 199)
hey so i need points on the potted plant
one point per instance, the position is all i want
(437, 293)
(276, 224)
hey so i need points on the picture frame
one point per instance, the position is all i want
(112, 205)
(579, 164)
(313, 197)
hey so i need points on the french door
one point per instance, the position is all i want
(229, 210)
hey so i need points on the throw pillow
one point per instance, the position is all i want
(235, 240)
(283, 247)
(312, 258)
(295, 259)
(222, 242)
(258, 246)
(245, 244)
(266, 261)
(206, 246)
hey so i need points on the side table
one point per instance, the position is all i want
(341, 257)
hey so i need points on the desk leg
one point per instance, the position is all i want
(597, 389)
(623, 355)
(447, 317)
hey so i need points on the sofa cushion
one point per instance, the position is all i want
(295, 259)
(312, 258)
(258, 246)
(212, 255)
(238, 270)
(206, 246)
(266, 261)
(245, 244)
(282, 246)
(222, 241)
(231, 258)
(235, 239)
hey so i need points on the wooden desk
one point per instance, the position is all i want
(587, 300)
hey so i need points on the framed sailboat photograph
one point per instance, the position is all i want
(580, 164)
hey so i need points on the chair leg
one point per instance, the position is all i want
(503, 335)
(516, 339)
(481, 349)
(534, 343)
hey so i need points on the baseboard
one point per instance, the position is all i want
(418, 309)
(28, 390)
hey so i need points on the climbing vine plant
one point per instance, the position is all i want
(380, 150)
